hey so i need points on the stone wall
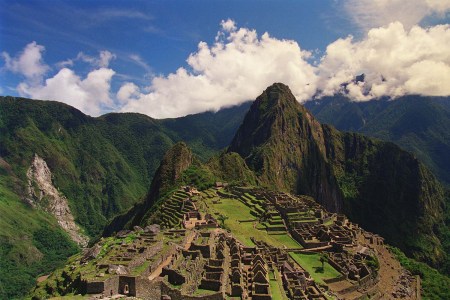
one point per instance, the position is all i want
(95, 287)
(177, 295)
(112, 284)
(127, 285)
(148, 290)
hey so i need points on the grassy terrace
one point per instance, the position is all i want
(276, 286)
(237, 211)
(311, 263)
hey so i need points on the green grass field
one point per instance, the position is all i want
(237, 211)
(311, 263)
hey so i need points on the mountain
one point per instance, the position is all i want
(280, 139)
(103, 167)
(93, 168)
(179, 167)
(375, 183)
(418, 124)
(233, 229)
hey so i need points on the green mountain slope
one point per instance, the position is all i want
(180, 167)
(378, 185)
(31, 242)
(418, 124)
(103, 166)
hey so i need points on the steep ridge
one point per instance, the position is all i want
(284, 144)
(416, 123)
(175, 161)
(378, 185)
(102, 165)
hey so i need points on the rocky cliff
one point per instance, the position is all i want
(42, 194)
(380, 186)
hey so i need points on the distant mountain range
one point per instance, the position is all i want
(418, 124)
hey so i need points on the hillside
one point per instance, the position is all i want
(378, 185)
(101, 166)
(418, 124)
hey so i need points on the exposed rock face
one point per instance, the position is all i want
(284, 144)
(91, 253)
(43, 194)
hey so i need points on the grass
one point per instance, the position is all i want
(141, 268)
(311, 263)
(70, 297)
(276, 288)
(203, 292)
(236, 211)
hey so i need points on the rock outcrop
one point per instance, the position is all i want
(41, 193)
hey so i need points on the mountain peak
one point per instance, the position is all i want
(276, 95)
(276, 137)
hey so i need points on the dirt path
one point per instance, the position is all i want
(189, 240)
(158, 270)
(167, 261)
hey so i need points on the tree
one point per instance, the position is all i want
(323, 259)
(222, 219)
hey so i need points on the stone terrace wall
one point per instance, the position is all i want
(148, 290)
(176, 294)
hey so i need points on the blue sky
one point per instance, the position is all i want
(102, 56)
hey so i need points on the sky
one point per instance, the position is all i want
(173, 58)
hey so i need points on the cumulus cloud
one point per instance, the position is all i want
(240, 64)
(127, 92)
(395, 61)
(369, 14)
(90, 95)
(28, 62)
(236, 68)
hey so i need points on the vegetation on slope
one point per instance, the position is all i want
(102, 165)
(435, 286)
(416, 123)
(380, 186)
(31, 241)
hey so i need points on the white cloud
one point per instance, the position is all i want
(240, 64)
(65, 63)
(140, 62)
(228, 25)
(28, 62)
(90, 95)
(395, 62)
(128, 91)
(234, 69)
(102, 61)
(369, 14)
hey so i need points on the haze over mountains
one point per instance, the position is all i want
(104, 166)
